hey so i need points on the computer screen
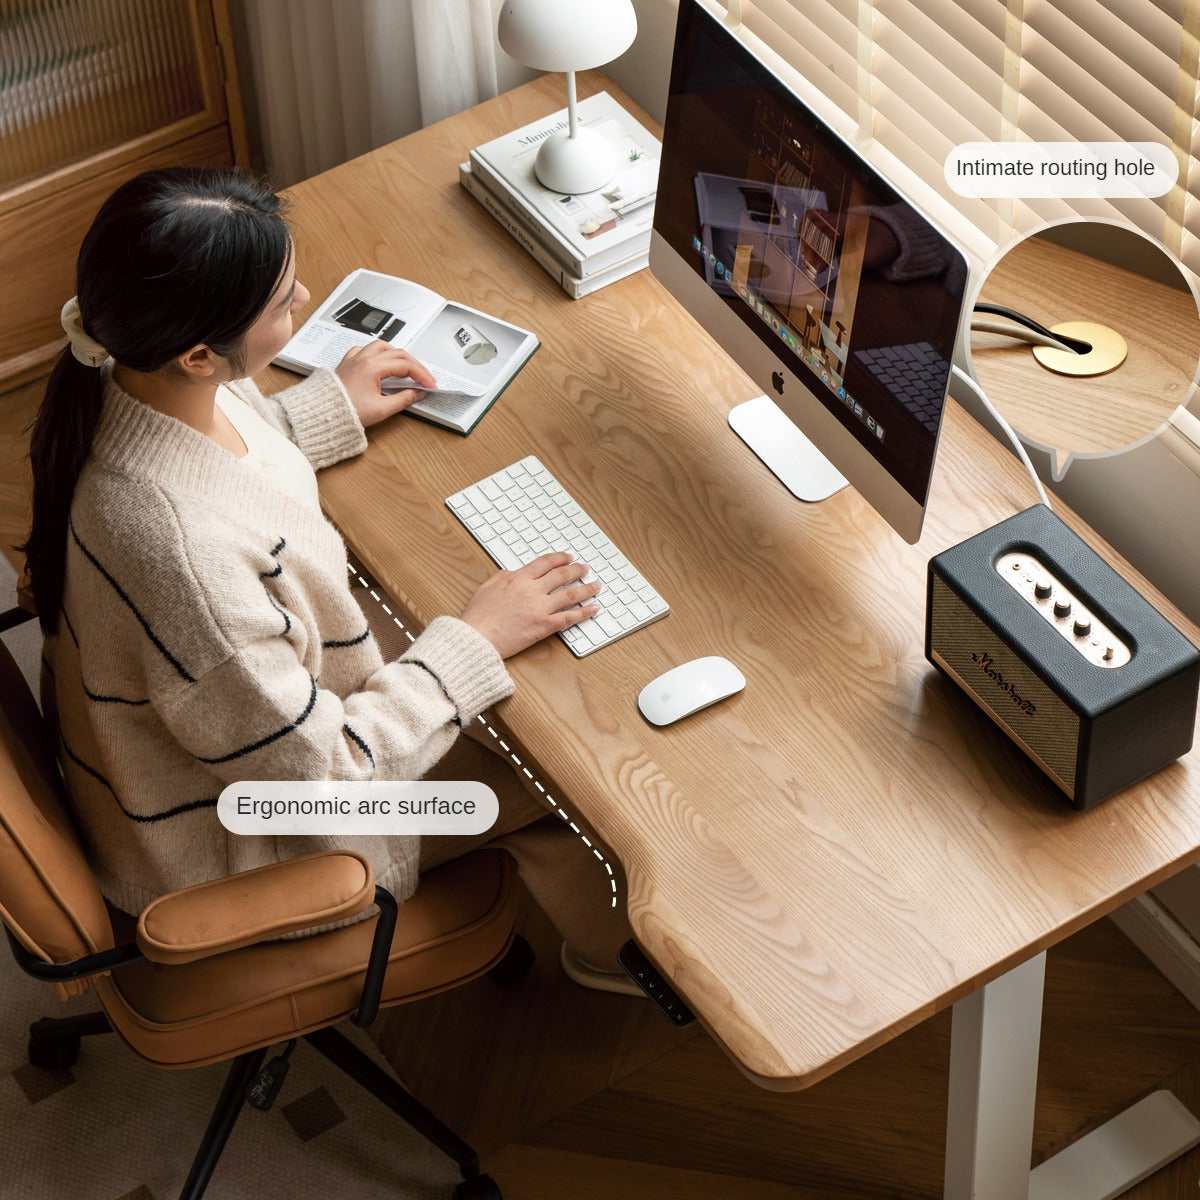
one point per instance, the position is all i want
(825, 284)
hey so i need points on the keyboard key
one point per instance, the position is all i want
(608, 623)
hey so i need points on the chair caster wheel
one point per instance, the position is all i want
(53, 1053)
(480, 1187)
(514, 964)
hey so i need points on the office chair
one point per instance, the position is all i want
(195, 980)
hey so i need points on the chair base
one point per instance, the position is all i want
(54, 1041)
(515, 964)
(482, 1187)
(347, 1057)
(54, 1044)
(220, 1125)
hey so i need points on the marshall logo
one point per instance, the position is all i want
(984, 661)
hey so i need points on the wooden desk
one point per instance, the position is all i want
(847, 846)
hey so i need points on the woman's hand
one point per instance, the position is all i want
(514, 609)
(364, 368)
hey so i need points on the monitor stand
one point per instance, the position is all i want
(789, 455)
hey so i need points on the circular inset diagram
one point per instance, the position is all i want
(1086, 337)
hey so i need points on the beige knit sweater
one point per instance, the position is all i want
(208, 635)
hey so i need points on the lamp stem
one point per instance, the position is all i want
(571, 118)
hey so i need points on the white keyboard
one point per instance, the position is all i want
(522, 512)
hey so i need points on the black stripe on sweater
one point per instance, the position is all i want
(140, 817)
(99, 699)
(96, 696)
(70, 627)
(132, 608)
(416, 662)
(357, 641)
(271, 737)
(278, 566)
(358, 741)
(287, 621)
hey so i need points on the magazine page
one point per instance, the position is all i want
(363, 307)
(468, 352)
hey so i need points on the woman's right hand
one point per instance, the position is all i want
(515, 609)
(363, 370)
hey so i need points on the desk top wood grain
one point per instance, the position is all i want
(848, 845)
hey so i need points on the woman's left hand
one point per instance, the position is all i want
(364, 368)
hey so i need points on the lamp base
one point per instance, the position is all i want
(571, 165)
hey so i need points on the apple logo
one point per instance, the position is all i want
(777, 381)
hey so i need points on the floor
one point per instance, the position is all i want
(590, 1096)
(113, 1128)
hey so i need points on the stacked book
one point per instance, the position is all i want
(584, 241)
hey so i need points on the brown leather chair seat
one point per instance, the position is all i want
(457, 925)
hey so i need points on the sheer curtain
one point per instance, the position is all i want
(332, 79)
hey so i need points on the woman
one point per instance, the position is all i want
(199, 624)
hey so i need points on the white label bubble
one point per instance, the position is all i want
(1068, 170)
(1061, 457)
(356, 808)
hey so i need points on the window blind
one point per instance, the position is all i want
(914, 78)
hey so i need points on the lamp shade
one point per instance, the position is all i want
(566, 35)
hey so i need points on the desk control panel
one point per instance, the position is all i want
(1065, 611)
(646, 975)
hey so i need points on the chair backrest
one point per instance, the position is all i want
(48, 894)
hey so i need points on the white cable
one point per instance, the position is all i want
(983, 325)
(1018, 445)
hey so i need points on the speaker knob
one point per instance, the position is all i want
(1042, 589)
(1082, 627)
(1062, 607)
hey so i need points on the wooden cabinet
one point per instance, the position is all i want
(94, 92)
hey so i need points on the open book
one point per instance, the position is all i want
(473, 356)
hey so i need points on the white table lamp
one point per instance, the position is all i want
(570, 36)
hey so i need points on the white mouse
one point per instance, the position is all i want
(689, 687)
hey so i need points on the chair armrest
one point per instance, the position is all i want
(14, 617)
(254, 906)
(99, 963)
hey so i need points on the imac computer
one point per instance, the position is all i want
(825, 284)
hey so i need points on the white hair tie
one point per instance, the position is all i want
(85, 349)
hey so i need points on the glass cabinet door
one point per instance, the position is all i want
(82, 77)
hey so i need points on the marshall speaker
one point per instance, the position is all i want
(1086, 676)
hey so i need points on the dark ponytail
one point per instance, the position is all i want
(175, 258)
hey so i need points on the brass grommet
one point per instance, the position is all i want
(1107, 353)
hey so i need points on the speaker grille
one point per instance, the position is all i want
(984, 666)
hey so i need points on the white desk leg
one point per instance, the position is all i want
(994, 1042)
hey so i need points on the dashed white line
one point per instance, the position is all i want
(505, 747)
